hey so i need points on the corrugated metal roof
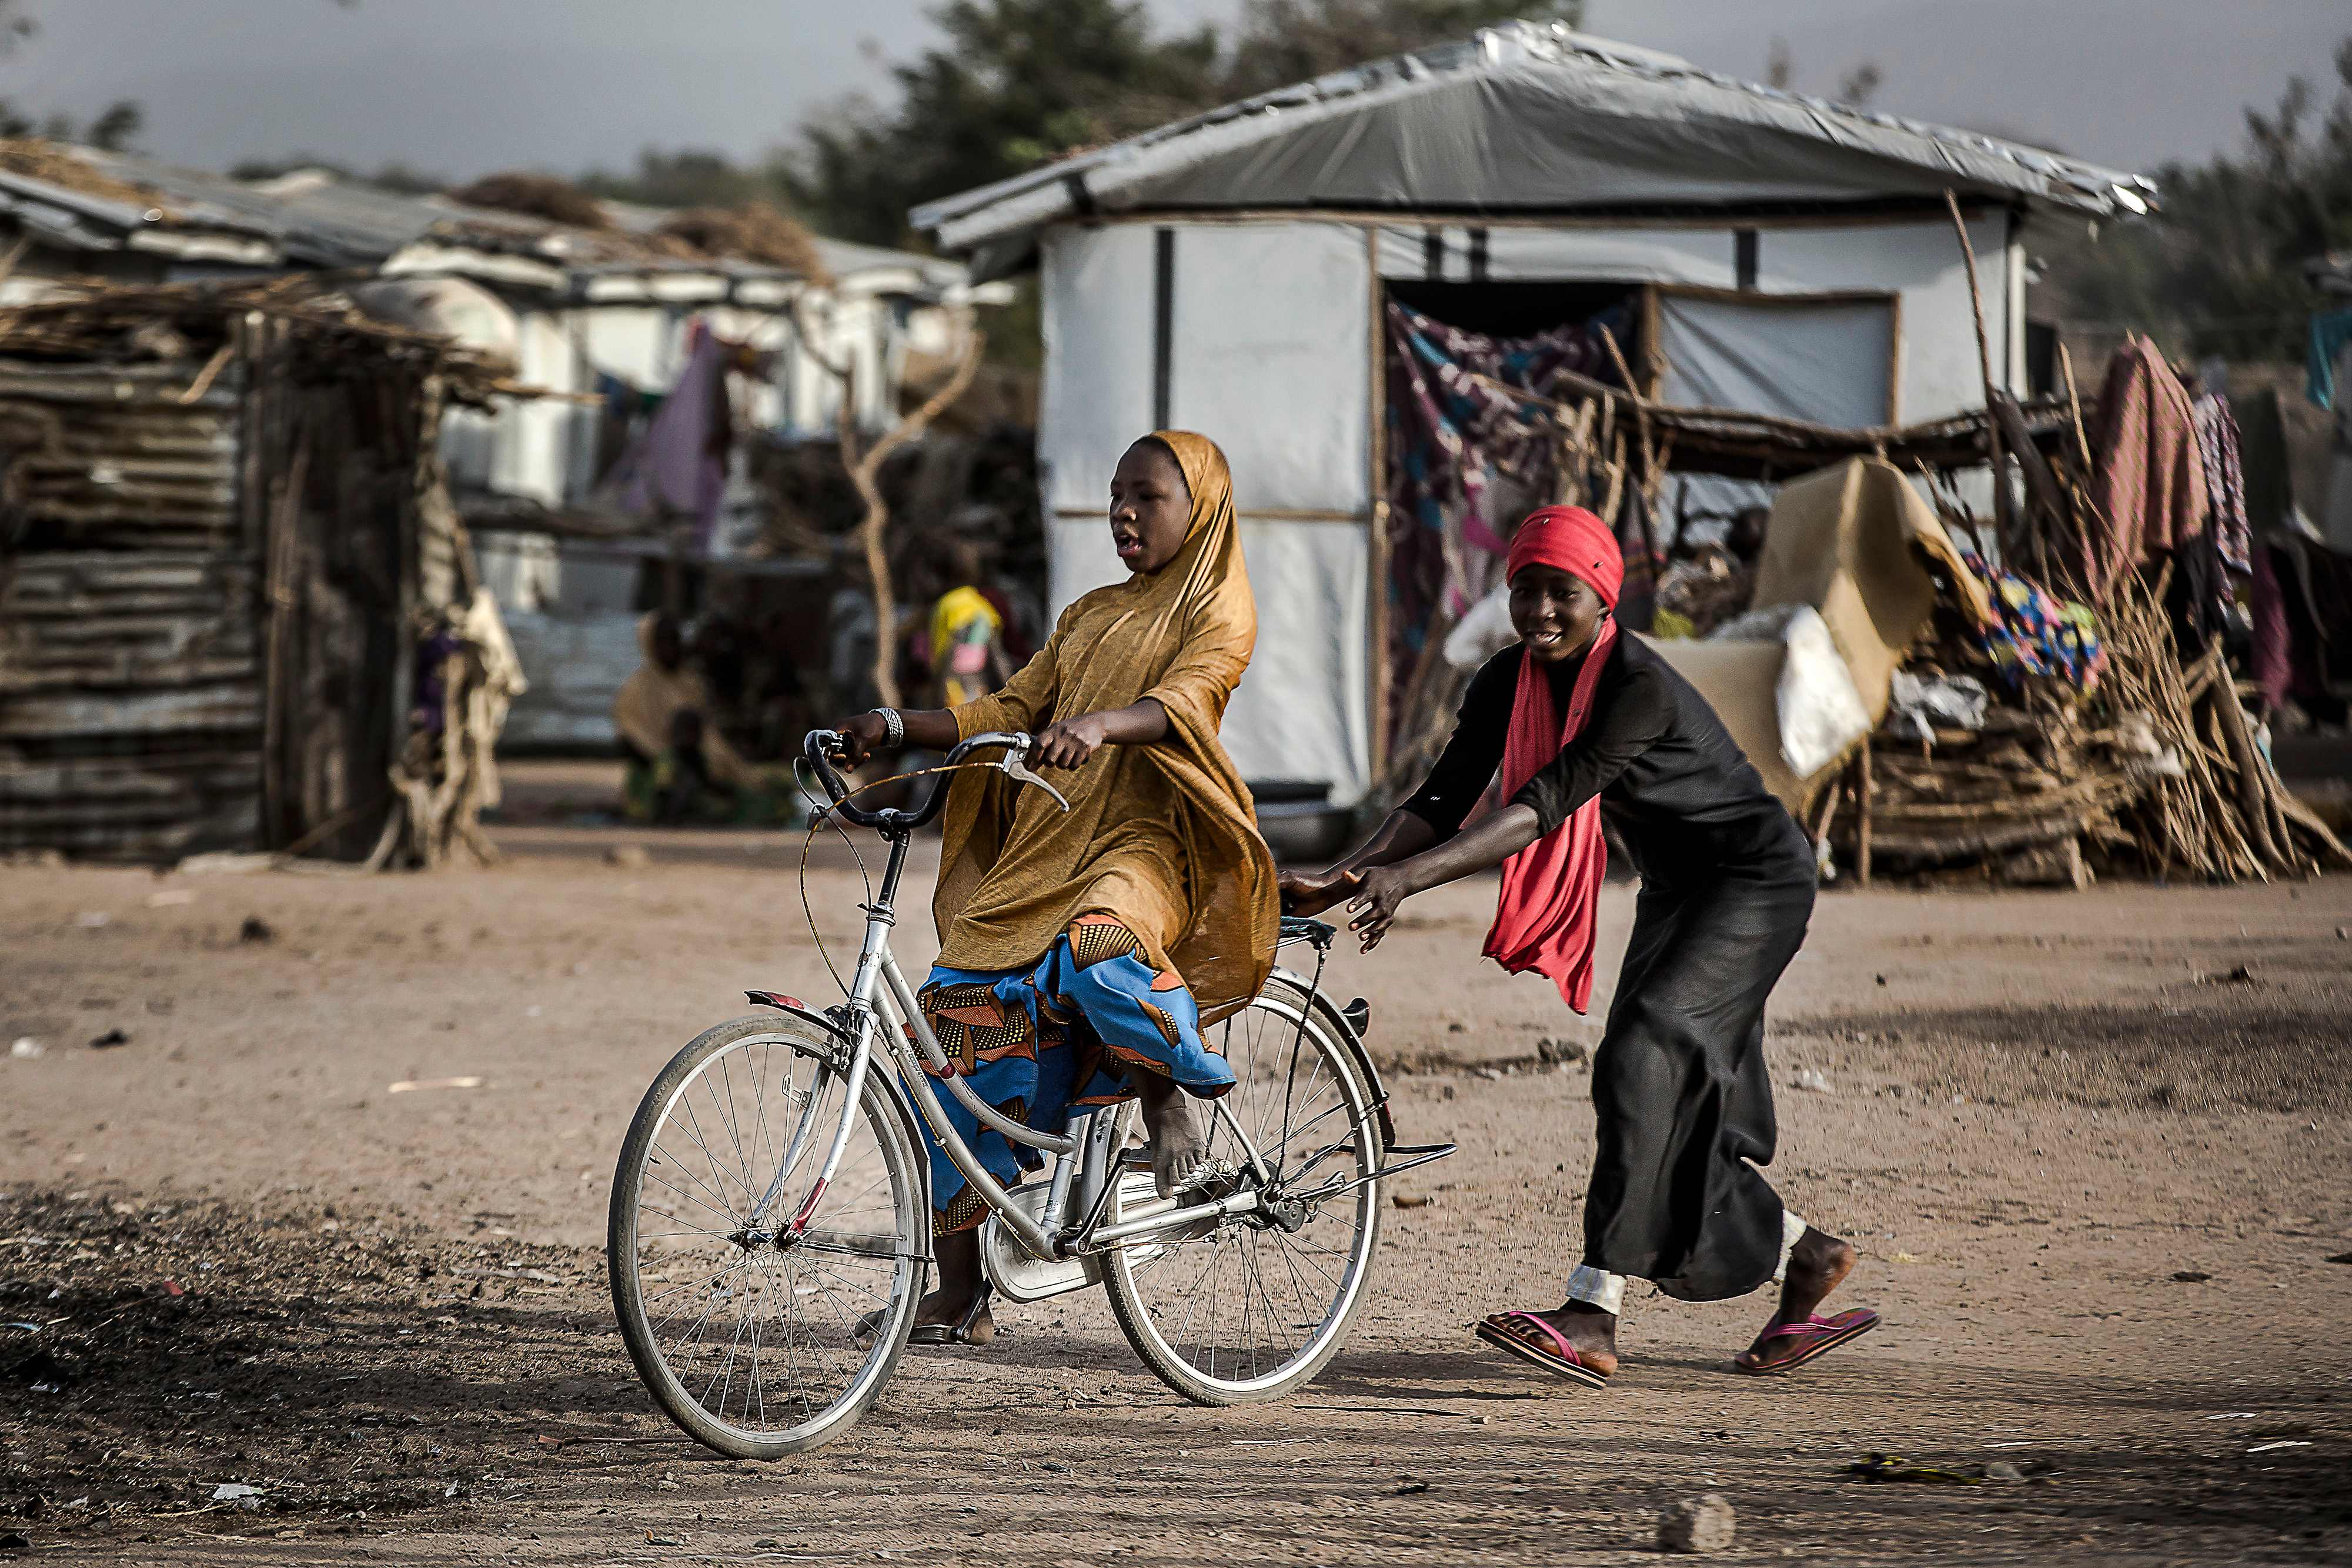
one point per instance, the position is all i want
(313, 218)
(1529, 116)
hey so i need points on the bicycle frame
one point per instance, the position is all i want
(882, 1005)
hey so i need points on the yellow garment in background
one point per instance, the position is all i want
(651, 697)
(1162, 837)
(951, 619)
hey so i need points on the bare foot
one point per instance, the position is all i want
(1180, 1133)
(1817, 1265)
(1593, 1332)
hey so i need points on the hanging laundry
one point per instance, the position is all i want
(2149, 482)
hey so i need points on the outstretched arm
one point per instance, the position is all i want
(932, 729)
(1404, 835)
(1380, 891)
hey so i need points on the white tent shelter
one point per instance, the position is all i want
(1229, 273)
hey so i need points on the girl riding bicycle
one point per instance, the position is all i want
(1082, 952)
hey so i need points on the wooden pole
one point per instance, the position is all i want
(1862, 816)
(1379, 631)
(2003, 520)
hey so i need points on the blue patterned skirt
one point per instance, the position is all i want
(1071, 1030)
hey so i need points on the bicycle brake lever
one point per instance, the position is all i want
(1014, 769)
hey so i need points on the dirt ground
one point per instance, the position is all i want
(2094, 1148)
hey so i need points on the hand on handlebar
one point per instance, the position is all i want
(861, 738)
(1067, 743)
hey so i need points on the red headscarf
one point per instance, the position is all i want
(1551, 889)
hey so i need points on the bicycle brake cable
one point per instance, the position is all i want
(823, 817)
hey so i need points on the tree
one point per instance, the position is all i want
(2219, 268)
(1021, 82)
(1015, 83)
(1287, 41)
(690, 177)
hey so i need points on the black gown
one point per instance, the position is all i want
(1679, 1084)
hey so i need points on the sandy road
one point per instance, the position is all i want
(2038, 1110)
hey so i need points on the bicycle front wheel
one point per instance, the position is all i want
(1247, 1309)
(759, 1343)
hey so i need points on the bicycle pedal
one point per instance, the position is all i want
(1214, 1173)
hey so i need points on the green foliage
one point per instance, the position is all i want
(2220, 270)
(1015, 83)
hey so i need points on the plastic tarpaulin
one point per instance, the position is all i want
(1268, 353)
(1512, 118)
(1830, 362)
(1302, 711)
(1845, 542)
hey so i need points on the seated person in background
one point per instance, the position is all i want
(679, 766)
(1715, 583)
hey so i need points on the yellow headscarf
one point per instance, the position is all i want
(1015, 871)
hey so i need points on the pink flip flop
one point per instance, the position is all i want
(1531, 1339)
(1818, 1336)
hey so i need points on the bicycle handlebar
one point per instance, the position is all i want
(822, 745)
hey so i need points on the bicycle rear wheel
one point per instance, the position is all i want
(1243, 1309)
(755, 1347)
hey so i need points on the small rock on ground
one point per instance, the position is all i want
(1697, 1524)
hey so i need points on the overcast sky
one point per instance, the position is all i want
(464, 87)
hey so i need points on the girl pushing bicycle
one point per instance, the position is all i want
(1084, 952)
(1583, 723)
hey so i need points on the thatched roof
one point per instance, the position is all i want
(115, 325)
(51, 163)
(533, 196)
(751, 231)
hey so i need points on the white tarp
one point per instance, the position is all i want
(1272, 360)
(1830, 362)
(1515, 253)
(1302, 713)
(1259, 314)
(1096, 397)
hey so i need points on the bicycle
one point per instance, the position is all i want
(766, 1276)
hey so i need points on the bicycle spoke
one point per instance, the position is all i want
(1254, 1300)
(764, 1340)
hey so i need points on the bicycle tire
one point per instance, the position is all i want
(893, 1148)
(1284, 1004)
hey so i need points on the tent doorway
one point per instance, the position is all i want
(1461, 464)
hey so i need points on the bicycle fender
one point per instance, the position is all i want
(798, 1009)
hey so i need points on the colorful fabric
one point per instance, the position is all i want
(2149, 481)
(1163, 837)
(1466, 460)
(1068, 1030)
(2036, 634)
(2225, 482)
(1551, 893)
(678, 466)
